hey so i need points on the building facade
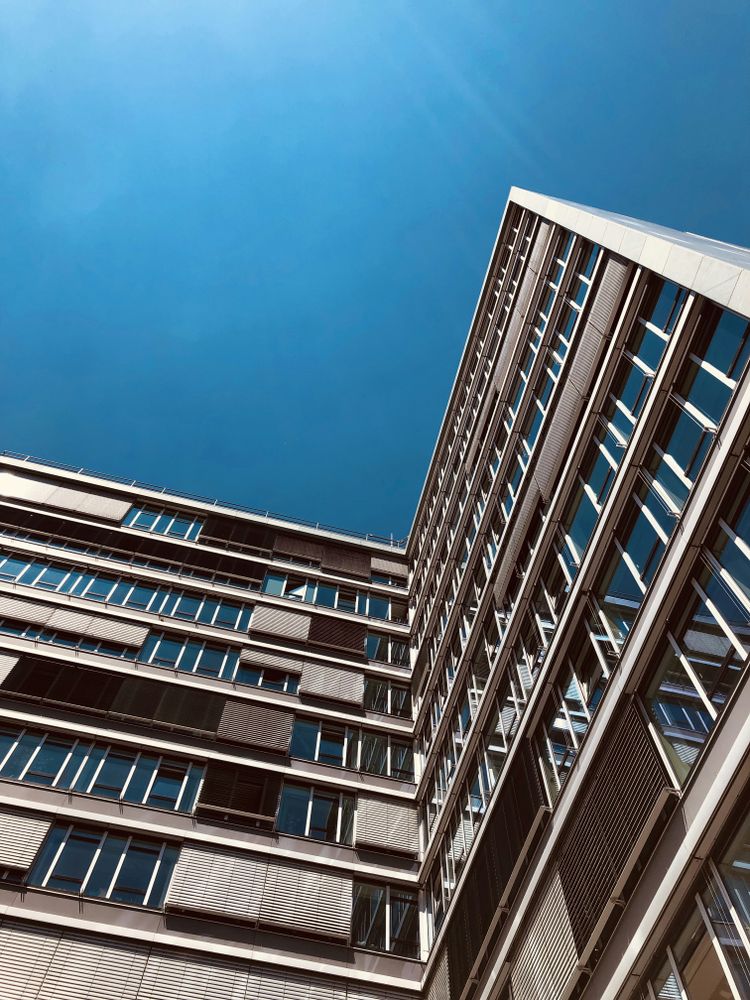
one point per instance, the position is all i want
(245, 757)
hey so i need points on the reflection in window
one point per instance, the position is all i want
(306, 811)
(98, 769)
(385, 919)
(102, 865)
(163, 522)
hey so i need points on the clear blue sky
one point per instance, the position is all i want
(242, 241)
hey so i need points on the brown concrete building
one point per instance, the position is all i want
(243, 757)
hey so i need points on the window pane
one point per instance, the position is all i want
(324, 816)
(74, 861)
(135, 873)
(106, 864)
(374, 757)
(113, 775)
(167, 785)
(331, 744)
(368, 916)
(292, 816)
(404, 923)
(304, 739)
(48, 761)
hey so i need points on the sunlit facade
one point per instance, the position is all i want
(242, 756)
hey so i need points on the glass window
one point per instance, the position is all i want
(293, 810)
(332, 739)
(369, 916)
(376, 695)
(304, 739)
(404, 923)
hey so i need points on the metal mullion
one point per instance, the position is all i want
(131, 772)
(13, 748)
(723, 961)
(64, 764)
(676, 973)
(308, 814)
(628, 560)
(90, 869)
(729, 903)
(152, 780)
(739, 542)
(692, 410)
(717, 373)
(661, 534)
(720, 619)
(56, 856)
(81, 766)
(118, 867)
(99, 766)
(728, 579)
(32, 758)
(154, 873)
(692, 677)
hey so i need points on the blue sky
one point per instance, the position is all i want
(242, 242)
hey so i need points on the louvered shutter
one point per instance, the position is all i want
(337, 633)
(18, 486)
(218, 881)
(387, 824)
(274, 984)
(439, 986)
(85, 967)
(26, 611)
(21, 836)
(174, 975)
(259, 658)
(277, 621)
(233, 791)
(351, 562)
(7, 663)
(519, 525)
(307, 900)
(327, 681)
(547, 958)
(256, 724)
(627, 790)
(98, 627)
(539, 247)
(298, 547)
(558, 432)
(389, 567)
(26, 953)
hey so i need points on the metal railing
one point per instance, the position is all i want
(396, 543)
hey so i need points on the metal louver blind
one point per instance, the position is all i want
(518, 527)
(307, 900)
(558, 433)
(26, 611)
(337, 633)
(548, 956)
(7, 662)
(239, 790)
(18, 486)
(297, 546)
(259, 658)
(627, 788)
(327, 681)
(216, 881)
(21, 837)
(536, 257)
(173, 975)
(96, 967)
(98, 627)
(381, 823)
(388, 567)
(343, 560)
(69, 620)
(277, 621)
(26, 953)
(439, 987)
(256, 724)
(598, 324)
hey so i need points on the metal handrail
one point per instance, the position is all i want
(396, 543)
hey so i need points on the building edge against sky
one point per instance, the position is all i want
(243, 756)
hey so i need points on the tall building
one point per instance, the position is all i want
(249, 758)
